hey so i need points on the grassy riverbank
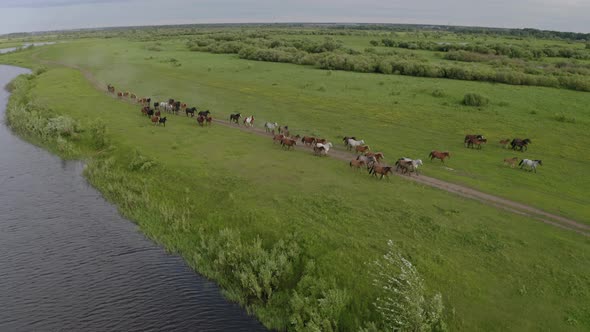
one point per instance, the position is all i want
(210, 193)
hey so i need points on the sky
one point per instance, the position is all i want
(43, 15)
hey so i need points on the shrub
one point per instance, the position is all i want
(141, 163)
(250, 271)
(61, 126)
(316, 304)
(438, 93)
(563, 118)
(40, 70)
(402, 303)
(98, 134)
(474, 99)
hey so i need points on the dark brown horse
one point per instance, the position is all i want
(235, 118)
(439, 155)
(200, 120)
(405, 166)
(472, 136)
(474, 141)
(277, 138)
(521, 144)
(381, 170)
(209, 120)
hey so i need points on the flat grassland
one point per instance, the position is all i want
(495, 270)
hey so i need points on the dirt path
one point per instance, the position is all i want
(498, 202)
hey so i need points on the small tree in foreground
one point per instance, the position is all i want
(402, 303)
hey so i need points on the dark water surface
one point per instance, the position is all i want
(70, 262)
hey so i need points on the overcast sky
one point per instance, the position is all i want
(41, 15)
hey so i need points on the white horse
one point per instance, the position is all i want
(415, 163)
(354, 143)
(322, 148)
(530, 164)
(249, 121)
(270, 126)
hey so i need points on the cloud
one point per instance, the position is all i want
(50, 3)
(40, 15)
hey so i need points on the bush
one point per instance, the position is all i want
(40, 70)
(98, 134)
(474, 99)
(438, 93)
(316, 304)
(141, 163)
(61, 126)
(251, 272)
(563, 118)
(402, 303)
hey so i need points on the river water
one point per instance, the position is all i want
(12, 49)
(70, 262)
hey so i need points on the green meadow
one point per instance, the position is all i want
(183, 184)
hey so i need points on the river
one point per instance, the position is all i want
(70, 262)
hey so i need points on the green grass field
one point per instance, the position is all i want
(495, 270)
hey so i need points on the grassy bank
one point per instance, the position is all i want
(234, 205)
(401, 116)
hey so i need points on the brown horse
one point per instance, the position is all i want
(356, 163)
(381, 170)
(308, 140)
(209, 120)
(155, 120)
(201, 120)
(277, 138)
(119, 94)
(321, 140)
(288, 143)
(145, 110)
(377, 155)
(505, 142)
(511, 161)
(126, 94)
(439, 155)
(469, 137)
(476, 142)
(111, 88)
(362, 148)
(133, 96)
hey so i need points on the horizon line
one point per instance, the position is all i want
(288, 22)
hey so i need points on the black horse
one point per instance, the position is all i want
(150, 112)
(204, 113)
(190, 111)
(176, 107)
(162, 121)
(521, 144)
(235, 118)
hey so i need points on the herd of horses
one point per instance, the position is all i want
(372, 161)
(517, 144)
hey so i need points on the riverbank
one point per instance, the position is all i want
(69, 261)
(225, 199)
